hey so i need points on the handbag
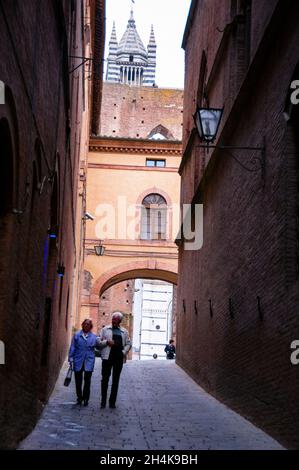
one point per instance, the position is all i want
(68, 377)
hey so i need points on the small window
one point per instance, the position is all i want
(158, 163)
(131, 58)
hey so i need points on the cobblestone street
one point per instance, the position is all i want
(159, 407)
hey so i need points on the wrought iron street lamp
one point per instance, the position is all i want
(207, 121)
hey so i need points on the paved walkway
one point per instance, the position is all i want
(159, 407)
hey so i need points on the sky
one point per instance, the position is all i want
(169, 19)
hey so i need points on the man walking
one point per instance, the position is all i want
(170, 349)
(114, 343)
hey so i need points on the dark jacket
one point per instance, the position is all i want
(170, 351)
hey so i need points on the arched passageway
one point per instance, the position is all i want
(116, 290)
(160, 275)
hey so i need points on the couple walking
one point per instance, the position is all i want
(114, 344)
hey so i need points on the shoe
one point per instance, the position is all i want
(85, 402)
(103, 405)
(111, 405)
(79, 401)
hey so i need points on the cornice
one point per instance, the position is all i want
(135, 146)
(106, 166)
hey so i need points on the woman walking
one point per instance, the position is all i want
(82, 359)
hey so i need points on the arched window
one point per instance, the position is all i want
(154, 218)
(158, 136)
(160, 133)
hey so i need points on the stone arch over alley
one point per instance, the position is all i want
(119, 278)
(152, 269)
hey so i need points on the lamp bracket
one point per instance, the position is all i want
(257, 163)
(84, 61)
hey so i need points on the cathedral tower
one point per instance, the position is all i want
(129, 62)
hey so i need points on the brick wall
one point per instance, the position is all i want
(244, 278)
(118, 298)
(43, 110)
(134, 112)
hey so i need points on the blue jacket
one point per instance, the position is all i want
(82, 351)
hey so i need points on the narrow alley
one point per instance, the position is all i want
(149, 207)
(159, 407)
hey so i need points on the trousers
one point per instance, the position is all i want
(115, 364)
(86, 389)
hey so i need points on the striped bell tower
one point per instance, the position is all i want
(113, 69)
(128, 61)
(150, 72)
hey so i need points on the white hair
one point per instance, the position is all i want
(118, 315)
